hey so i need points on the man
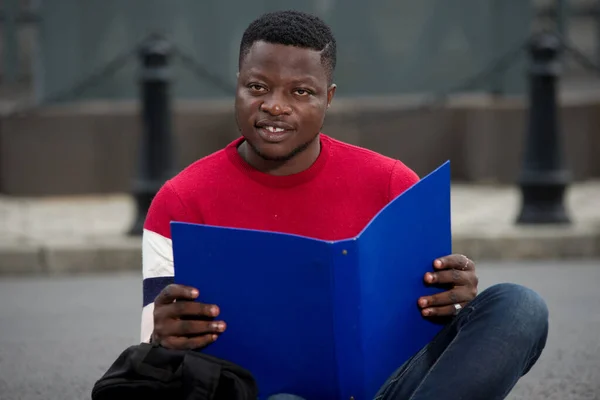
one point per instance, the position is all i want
(283, 175)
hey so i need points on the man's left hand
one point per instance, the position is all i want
(456, 272)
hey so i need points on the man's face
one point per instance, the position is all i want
(282, 96)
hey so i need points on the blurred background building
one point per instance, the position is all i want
(69, 83)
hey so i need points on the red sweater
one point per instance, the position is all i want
(334, 199)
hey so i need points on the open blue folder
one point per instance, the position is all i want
(322, 319)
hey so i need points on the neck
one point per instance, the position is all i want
(300, 162)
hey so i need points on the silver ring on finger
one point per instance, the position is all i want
(466, 263)
(457, 308)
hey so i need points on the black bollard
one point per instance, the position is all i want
(155, 158)
(544, 177)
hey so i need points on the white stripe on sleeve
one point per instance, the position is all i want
(157, 262)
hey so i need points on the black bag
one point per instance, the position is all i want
(154, 373)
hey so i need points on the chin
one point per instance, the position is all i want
(280, 149)
(272, 152)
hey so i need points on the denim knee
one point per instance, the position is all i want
(519, 309)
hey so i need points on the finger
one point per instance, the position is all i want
(457, 295)
(449, 276)
(184, 343)
(181, 309)
(454, 261)
(174, 292)
(444, 311)
(201, 341)
(193, 328)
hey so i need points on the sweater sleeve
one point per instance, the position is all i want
(401, 179)
(157, 251)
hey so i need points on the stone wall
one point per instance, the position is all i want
(92, 148)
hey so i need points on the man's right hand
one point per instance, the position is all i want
(178, 321)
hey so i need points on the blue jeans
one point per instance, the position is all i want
(480, 354)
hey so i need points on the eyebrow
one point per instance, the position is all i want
(297, 79)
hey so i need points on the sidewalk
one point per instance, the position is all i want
(88, 234)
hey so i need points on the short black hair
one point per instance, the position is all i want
(292, 28)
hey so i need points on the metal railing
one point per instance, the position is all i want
(563, 11)
(13, 18)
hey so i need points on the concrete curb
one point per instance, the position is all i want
(526, 246)
(20, 258)
(71, 256)
(104, 254)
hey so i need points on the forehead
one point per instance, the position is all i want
(278, 60)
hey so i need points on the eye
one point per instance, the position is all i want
(302, 92)
(255, 87)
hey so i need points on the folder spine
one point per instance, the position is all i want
(347, 319)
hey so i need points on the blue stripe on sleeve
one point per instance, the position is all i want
(153, 286)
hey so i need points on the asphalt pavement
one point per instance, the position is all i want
(59, 335)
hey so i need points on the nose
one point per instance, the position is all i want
(276, 105)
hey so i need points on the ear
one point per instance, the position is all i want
(330, 93)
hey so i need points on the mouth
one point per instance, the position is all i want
(273, 131)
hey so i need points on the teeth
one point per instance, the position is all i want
(274, 129)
